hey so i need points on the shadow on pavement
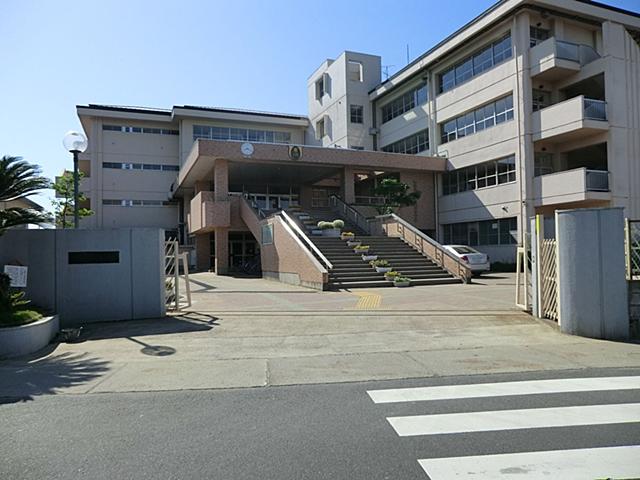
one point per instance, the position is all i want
(22, 382)
(180, 323)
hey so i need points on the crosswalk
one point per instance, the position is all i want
(615, 462)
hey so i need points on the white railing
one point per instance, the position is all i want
(582, 54)
(349, 213)
(595, 109)
(427, 246)
(597, 180)
(305, 239)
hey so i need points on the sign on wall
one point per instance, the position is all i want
(17, 275)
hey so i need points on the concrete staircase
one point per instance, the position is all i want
(350, 271)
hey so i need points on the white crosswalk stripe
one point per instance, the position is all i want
(589, 463)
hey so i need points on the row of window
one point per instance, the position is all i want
(411, 99)
(140, 166)
(487, 232)
(477, 120)
(139, 203)
(416, 143)
(489, 56)
(482, 175)
(240, 134)
(128, 129)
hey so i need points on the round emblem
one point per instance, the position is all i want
(247, 149)
(295, 152)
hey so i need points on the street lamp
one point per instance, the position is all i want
(75, 142)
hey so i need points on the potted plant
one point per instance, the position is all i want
(23, 330)
(347, 236)
(354, 243)
(391, 276)
(381, 266)
(401, 281)
(331, 229)
(362, 249)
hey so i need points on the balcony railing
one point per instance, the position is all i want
(597, 180)
(595, 109)
(582, 54)
(367, 200)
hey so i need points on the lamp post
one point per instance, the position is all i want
(75, 143)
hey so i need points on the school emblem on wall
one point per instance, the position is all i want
(295, 152)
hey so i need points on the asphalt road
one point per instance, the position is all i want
(329, 431)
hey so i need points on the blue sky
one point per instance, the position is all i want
(242, 54)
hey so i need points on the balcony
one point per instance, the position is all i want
(569, 186)
(207, 213)
(573, 119)
(554, 59)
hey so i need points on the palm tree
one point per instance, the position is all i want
(18, 179)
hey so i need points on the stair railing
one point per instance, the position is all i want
(426, 245)
(349, 213)
(305, 239)
(252, 203)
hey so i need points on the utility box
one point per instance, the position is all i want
(593, 298)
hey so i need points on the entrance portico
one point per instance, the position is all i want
(217, 173)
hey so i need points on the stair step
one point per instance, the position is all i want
(384, 283)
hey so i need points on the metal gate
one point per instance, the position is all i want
(548, 279)
(172, 259)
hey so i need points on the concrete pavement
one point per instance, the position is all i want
(253, 333)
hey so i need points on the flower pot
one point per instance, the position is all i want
(401, 284)
(345, 236)
(29, 338)
(316, 232)
(331, 232)
(383, 269)
(354, 243)
(368, 258)
(389, 278)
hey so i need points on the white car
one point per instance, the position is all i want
(478, 262)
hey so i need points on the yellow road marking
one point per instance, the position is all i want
(367, 300)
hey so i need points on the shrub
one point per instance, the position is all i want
(325, 225)
(379, 263)
(361, 248)
(401, 279)
(338, 224)
(13, 309)
(392, 275)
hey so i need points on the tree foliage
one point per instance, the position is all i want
(19, 179)
(64, 202)
(396, 194)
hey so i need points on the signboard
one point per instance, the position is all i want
(18, 275)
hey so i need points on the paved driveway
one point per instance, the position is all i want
(254, 332)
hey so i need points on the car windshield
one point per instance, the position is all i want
(464, 250)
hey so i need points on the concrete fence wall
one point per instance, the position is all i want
(91, 275)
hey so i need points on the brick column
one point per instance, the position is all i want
(348, 182)
(222, 251)
(221, 180)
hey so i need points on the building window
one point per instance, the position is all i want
(320, 88)
(487, 174)
(354, 71)
(357, 115)
(129, 129)
(240, 134)
(541, 99)
(320, 133)
(140, 166)
(542, 164)
(538, 35)
(486, 58)
(404, 103)
(502, 231)
(357, 147)
(139, 203)
(416, 143)
(477, 120)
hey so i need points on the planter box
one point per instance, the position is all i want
(331, 232)
(316, 232)
(354, 243)
(401, 284)
(368, 258)
(26, 339)
(383, 269)
(347, 237)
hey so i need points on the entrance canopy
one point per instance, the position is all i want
(300, 163)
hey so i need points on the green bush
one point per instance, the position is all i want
(325, 225)
(338, 224)
(13, 311)
(379, 263)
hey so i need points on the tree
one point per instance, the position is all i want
(19, 179)
(64, 203)
(396, 194)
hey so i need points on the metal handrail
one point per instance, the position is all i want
(345, 209)
(440, 250)
(252, 203)
(296, 228)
